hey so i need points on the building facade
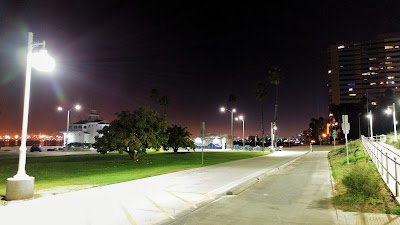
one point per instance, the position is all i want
(364, 69)
(85, 131)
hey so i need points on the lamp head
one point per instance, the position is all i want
(42, 61)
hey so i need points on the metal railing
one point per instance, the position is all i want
(386, 160)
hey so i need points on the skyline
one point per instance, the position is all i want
(110, 55)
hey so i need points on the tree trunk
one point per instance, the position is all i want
(175, 149)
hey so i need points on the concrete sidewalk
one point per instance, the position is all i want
(153, 200)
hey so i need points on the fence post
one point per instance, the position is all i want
(382, 163)
(387, 169)
(395, 175)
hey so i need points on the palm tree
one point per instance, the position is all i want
(261, 92)
(275, 77)
(164, 102)
(232, 99)
(155, 95)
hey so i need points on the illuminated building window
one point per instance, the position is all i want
(372, 84)
(389, 67)
(388, 63)
(340, 47)
(388, 46)
(366, 74)
(350, 89)
(374, 73)
(373, 103)
(390, 77)
(396, 46)
(372, 58)
(351, 84)
(329, 71)
(381, 82)
(372, 68)
(388, 57)
(389, 82)
(352, 95)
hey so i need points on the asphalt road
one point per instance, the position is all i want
(298, 194)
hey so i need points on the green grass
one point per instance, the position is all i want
(97, 169)
(359, 168)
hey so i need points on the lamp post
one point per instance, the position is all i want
(393, 112)
(21, 186)
(242, 119)
(273, 131)
(76, 107)
(369, 116)
(232, 112)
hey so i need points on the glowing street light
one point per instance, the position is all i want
(76, 107)
(242, 119)
(232, 112)
(392, 110)
(21, 186)
(369, 116)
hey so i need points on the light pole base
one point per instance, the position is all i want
(20, 188)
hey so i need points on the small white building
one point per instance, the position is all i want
(86, 130)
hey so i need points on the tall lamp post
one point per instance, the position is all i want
(232, 112)
(242, 119)
(369, 116)
(76, 107)
(21, 186)
(392, 110)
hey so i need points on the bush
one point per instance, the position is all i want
(363, 179)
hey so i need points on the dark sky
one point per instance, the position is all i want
(110, 54)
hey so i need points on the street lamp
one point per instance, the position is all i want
(393, 112)
(232, 112)
(21, 186)
(76, 107)
(242, 119)
(369, 116)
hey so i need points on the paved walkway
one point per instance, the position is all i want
(155, 200)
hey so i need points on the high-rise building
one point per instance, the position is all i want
(361, 69)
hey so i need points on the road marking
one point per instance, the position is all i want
(182, 199)
(128, 215)
(160, 208)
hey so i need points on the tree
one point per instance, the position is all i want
(164, 102)
(275, 77)
(232, 99)
(261, 93)
(179, 137)
(133, 132)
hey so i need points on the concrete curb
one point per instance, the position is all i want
(238, 187)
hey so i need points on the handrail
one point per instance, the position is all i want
(386, 161)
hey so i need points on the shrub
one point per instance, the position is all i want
(363, 179)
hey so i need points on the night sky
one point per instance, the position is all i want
(110, 54)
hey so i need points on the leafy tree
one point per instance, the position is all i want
(179, 137)
(261, 93)
(133, 132)
(159, 100)
(317, 126)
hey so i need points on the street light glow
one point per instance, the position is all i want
(42, 61)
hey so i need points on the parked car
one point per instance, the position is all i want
(36, 147)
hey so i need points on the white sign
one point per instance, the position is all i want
(345, 124)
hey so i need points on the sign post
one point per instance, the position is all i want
(346, 128)
(202, 131)
(334, 135)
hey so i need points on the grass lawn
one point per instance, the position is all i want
(95, 169)
(359, 164)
